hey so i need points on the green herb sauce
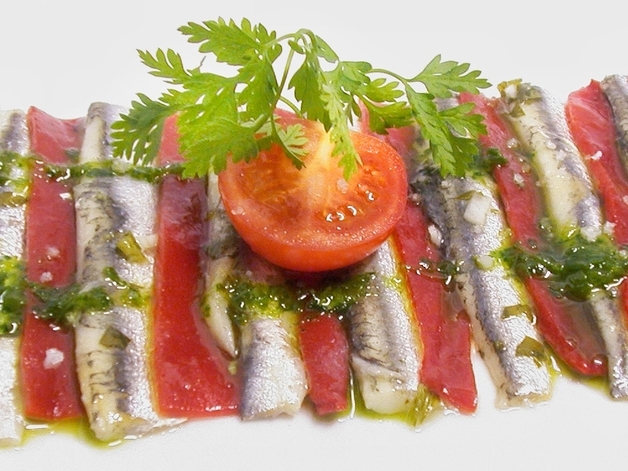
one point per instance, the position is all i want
(12, 295)
(247, 298)
(111, 168)
(575, 268)
(14, 178)
(64, 305)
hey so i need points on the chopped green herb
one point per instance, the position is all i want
(338, 296)
(14, 178)
(113, 338)
(532, 348)
(248, 298)
(129, 248)
(63, 305)
(575, 269)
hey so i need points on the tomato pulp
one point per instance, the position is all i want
(312, 219)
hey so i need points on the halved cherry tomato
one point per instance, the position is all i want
(312, 219)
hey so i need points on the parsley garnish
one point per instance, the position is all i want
(223, 117)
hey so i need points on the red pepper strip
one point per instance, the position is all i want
(446, 337)
(325, 351)
(48, 369)
(192, 376)
(590, 120)
(564, 325)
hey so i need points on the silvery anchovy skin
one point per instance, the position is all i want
(384, 342)
(615, 88)
(572, 204)
(273, 374)
(222, 249)
(13, 138)
(113, 376)
(472, 226)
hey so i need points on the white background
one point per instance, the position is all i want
(60, 56)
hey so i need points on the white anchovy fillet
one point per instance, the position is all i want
(13, 138)
(114, 378)
(572, 205)
(223, 244)
(563, 178)
(274, 379)
(615, 87)
(473, 226)
(384, 341)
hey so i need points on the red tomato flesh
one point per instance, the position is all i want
(50, 388)
(192, 378)
(312, 219)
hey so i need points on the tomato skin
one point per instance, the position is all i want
(49, 393)
(191, 373)
(312, 219)
(325, 352)
(562, 324)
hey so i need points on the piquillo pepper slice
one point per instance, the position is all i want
(47, 366)
(192, 377)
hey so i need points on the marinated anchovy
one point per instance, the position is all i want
(13, 141)
(273, 373)
(111, 345)
(223, 244)
(384, 341)
(573, 204)
(615, 88)
(565, 184)
(473, 228)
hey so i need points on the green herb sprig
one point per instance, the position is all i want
(222, 117)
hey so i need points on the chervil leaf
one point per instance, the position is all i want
(231, 117)
(307, 83)
(167, 65)
(258, 95)
(137, 134)
(443, 78)
(383, 117)
(209, 146)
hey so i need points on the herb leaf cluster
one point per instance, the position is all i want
(224, 117)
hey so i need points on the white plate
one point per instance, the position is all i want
(61, 56)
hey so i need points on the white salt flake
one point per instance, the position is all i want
(52, 252)
(596, 156)
(54, 357)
